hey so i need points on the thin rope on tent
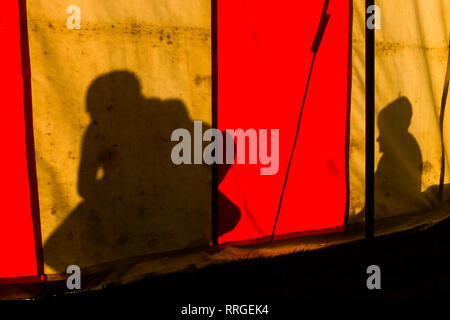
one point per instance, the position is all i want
(315, 47)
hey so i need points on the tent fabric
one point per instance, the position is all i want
(17, 242)
(106, 98)
(262, 86)
(411, 59)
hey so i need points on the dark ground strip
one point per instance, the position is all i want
(414, 265)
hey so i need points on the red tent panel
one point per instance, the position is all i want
(17, 246)
(264, 57)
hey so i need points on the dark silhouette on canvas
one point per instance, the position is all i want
(135, 200)
(399, 173)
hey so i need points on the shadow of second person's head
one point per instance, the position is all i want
(394, 121)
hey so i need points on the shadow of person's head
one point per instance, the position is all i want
(394, 121)
(113, 97)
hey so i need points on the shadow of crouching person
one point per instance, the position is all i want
(135, 200)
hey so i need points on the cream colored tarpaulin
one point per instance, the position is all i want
(411, 58)
(106, 98)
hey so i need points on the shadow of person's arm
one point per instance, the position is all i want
(89, 164)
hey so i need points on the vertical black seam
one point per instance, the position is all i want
(441, 127)
(349, 106)
(370, 126)
(214, 82)
(29, 133)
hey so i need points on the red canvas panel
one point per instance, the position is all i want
(264, 58)
(17, 246)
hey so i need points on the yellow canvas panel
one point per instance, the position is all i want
(109, 86)
(412, 53)
(357, 116)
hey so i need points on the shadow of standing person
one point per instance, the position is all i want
(135, 199)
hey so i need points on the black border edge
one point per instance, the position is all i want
(29, 132)
(349, 106)
(370, 126)
(214, 88)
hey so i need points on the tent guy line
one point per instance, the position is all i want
(315, 47)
